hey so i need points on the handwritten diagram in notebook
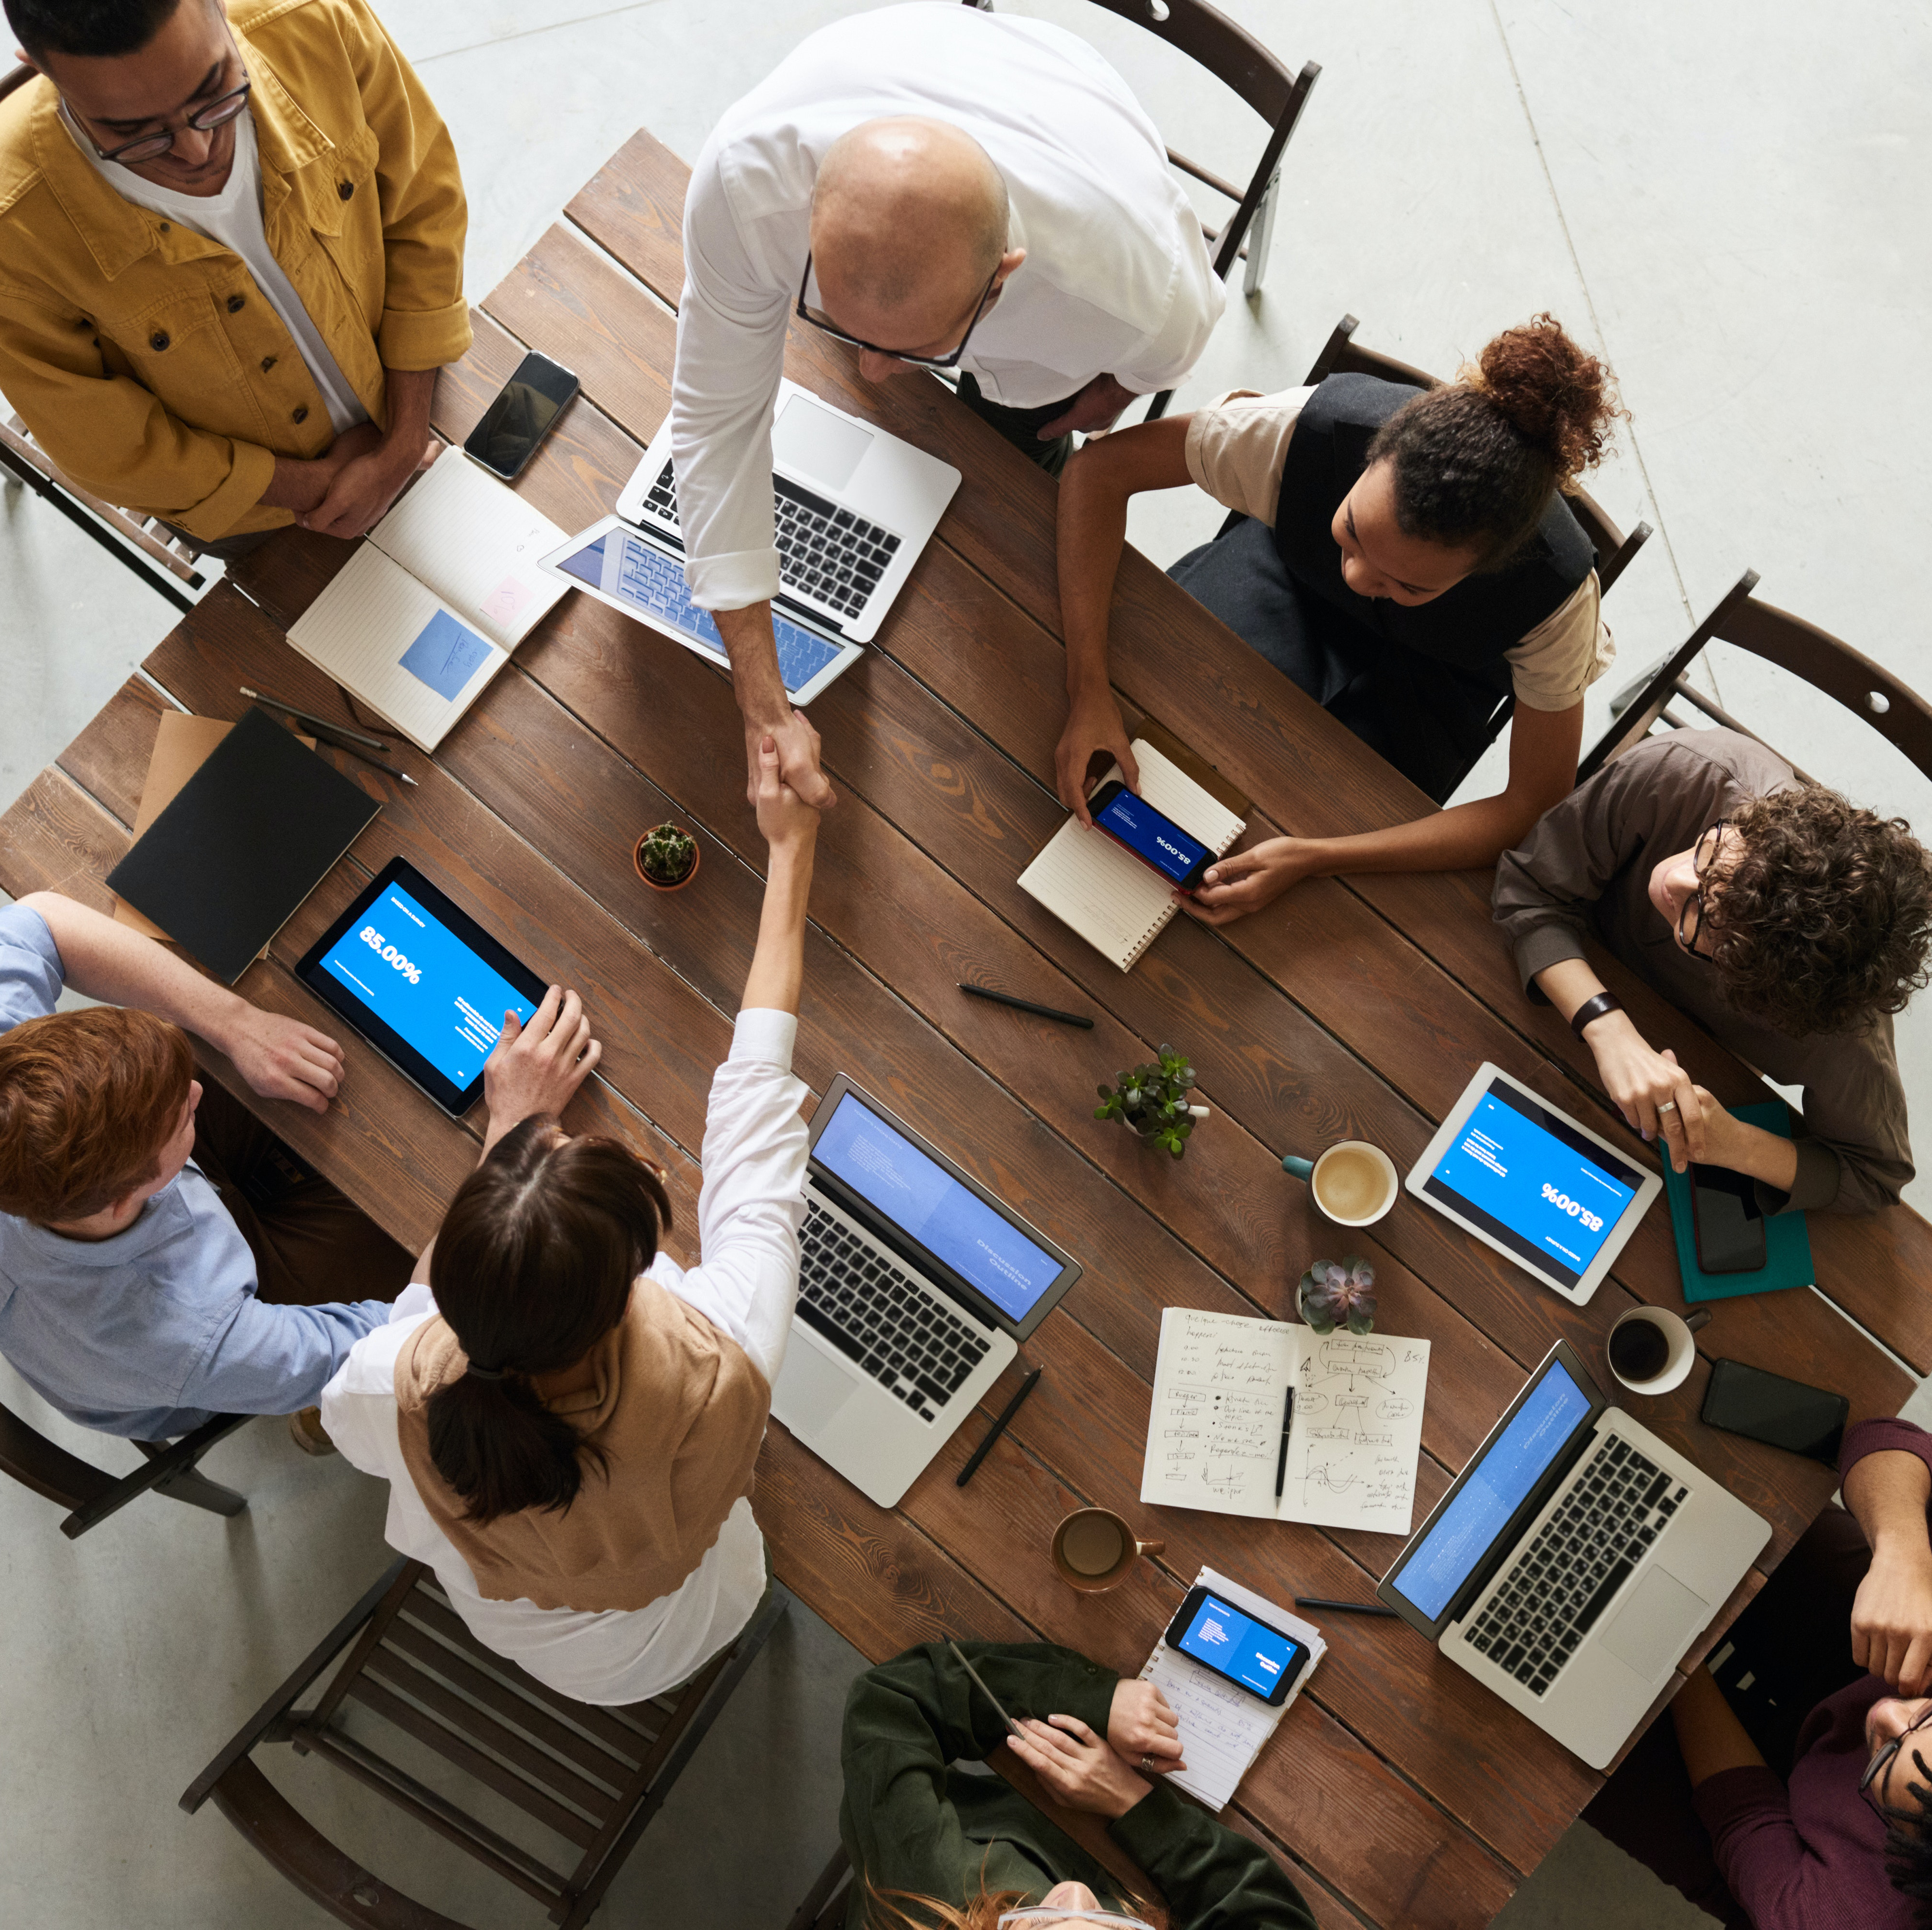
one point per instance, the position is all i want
(1222, 1727)
(1112, 900)
(1214, 1439)
(428, 609)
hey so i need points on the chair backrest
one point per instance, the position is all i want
(1846, 676)
(1341, 355)
(17, 75)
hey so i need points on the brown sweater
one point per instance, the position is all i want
(1586, 868)
(678, 1409)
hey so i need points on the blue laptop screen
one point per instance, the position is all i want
(921, 1198)
(1516, 1460)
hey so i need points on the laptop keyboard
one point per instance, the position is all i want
(1585, 1552)
(824, 552)
(906, 1338)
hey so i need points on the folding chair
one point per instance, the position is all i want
(91, 1494)
(1242, 65)
(593, 1776)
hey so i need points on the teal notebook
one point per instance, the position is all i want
(1787, 1246)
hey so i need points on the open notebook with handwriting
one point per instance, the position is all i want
(1214, 1436)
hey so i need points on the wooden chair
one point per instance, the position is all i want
(1242, 65)
(1341, 355)
(594, 1777)
(1870, 693)
(825, 1903)
(91, 1494)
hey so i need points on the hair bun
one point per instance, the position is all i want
(1551, 392)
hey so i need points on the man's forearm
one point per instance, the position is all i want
(1091, 532)
(1887, 1492)
(756, 681)
(409, 393)
(297, 484)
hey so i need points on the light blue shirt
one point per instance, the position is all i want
(149, 1333)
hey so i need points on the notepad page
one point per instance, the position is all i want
(361, 628)
(1222, 1728)
(1220, 1389)
(475, 542)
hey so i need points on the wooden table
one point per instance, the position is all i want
(1398, 1790)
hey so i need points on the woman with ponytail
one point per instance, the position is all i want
(568, 1419)
(1406, 557)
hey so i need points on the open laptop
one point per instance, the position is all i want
(1573, 1561)
(854, 506)
(917, 1288)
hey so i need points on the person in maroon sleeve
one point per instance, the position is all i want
(1789, 1790)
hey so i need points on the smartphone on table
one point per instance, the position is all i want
(520, 416)
(1265, 1661)
(1783, 1413)
(1728, 1220)
(1157, 841)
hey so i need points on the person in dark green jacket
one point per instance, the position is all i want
(933, 1845)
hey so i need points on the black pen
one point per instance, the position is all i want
(998, 1428)
(1281, 1464)
(1026, 1005)
(322, 736)
(310, 717)
(1345, 1607)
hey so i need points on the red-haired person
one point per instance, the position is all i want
(1407, 559)
(162, 1257)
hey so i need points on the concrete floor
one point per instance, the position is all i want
(1719, 198)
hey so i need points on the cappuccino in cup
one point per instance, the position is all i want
(1354, 1183)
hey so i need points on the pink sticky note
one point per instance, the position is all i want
(504, 604)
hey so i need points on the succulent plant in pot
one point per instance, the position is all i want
(666, 857)
(1329, 1295)
(1156, 1100)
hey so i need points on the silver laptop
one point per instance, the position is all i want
(1573, 1561)
(917, 1288)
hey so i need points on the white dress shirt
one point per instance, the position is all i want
(749, 1211)
(1117, 280)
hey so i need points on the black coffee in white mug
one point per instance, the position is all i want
(1639, 1350)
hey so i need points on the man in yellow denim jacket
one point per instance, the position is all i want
(155, 369)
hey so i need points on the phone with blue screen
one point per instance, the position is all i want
(1265, 1661)
(1157, 841)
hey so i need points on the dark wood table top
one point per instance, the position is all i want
(1398, 1790)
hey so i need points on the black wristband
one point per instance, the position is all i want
(1594, 1008)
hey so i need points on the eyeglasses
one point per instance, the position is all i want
(826, 325)
(1040, 1913)
(1690, 918)
(1883, 1758)
(151, 147)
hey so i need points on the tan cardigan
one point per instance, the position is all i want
(678, 1409)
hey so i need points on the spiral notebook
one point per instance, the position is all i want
(1115, 902)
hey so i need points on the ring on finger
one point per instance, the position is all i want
(1669, 1105)
(1147, 1761)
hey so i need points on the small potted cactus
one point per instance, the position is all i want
(1329, 1295)
(666, 857)
(1156, 1101)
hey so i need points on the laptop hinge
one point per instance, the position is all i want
(1507, 1544)
(935, 1270)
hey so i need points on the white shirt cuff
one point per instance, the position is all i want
(734, 580)
(765, 1036)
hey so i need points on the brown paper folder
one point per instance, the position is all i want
(1196, 767)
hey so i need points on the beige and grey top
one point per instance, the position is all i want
(1236, 446)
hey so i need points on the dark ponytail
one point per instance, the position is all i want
(533, 1265)
(1477, 460)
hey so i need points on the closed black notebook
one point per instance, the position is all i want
(246, 839)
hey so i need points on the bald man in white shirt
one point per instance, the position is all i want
(937, 187)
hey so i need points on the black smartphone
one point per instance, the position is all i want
(1265, 1661)
(1767, 1407)
(1729, 1222)
(520, 416)
(1158, 841)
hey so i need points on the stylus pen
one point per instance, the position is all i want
(1345, 1607)
(998, 1428)
(310, 717)
(1281, 1463)
(1026, 1005)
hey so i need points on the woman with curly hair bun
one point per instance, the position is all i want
(1408, 559)
(1788, 922)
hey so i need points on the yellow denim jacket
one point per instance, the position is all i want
(142, 356)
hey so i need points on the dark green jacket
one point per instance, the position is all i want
(911, 1823)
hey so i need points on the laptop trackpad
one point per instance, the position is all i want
(811, 1389)
(1654, 1627)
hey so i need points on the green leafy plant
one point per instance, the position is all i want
(666, 854)
(1156, 1100)
(1329, 1295)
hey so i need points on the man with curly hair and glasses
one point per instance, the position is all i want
(1789, 1789)
(1791, 924)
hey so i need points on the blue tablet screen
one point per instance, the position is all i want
(425, 984)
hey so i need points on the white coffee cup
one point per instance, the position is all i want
(1681, 1352)
(1353, 1194)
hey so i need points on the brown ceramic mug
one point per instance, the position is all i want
(1093, 1548)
